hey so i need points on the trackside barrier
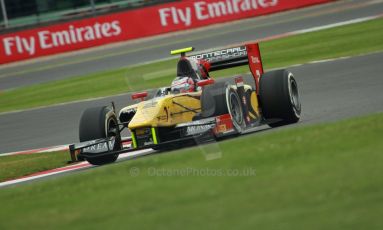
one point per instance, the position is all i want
(116, 27)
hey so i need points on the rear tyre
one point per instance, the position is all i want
(96, 123)
(279, 98)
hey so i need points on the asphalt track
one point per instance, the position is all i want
(330, 91)
(134, 52)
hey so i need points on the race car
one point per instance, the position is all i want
(196, 108)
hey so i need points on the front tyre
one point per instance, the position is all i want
(96, 123)
(279, 97)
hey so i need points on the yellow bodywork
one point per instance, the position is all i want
(166, 111)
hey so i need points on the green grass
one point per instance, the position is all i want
(325, 176)
(353, 39)
(21, 165)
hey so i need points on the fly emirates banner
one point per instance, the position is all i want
(132, 24)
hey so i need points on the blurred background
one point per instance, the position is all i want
(25, 13)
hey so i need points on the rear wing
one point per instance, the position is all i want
(248, 54)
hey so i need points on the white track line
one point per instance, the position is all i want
(125, 142)
(74, 167)
(39, 150)
(353, 21)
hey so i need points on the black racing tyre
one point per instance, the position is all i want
(279, 98)
(96, 123)
(234, 106)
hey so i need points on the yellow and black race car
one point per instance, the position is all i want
(195, 107)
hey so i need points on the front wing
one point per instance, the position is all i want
(200, 131)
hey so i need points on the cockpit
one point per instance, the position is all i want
(189, 72)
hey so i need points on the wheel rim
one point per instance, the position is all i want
(112, 131)
(234, 107)
(111, 128)
(235, 110)
(294, 95)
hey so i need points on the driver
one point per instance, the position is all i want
(189, 72)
